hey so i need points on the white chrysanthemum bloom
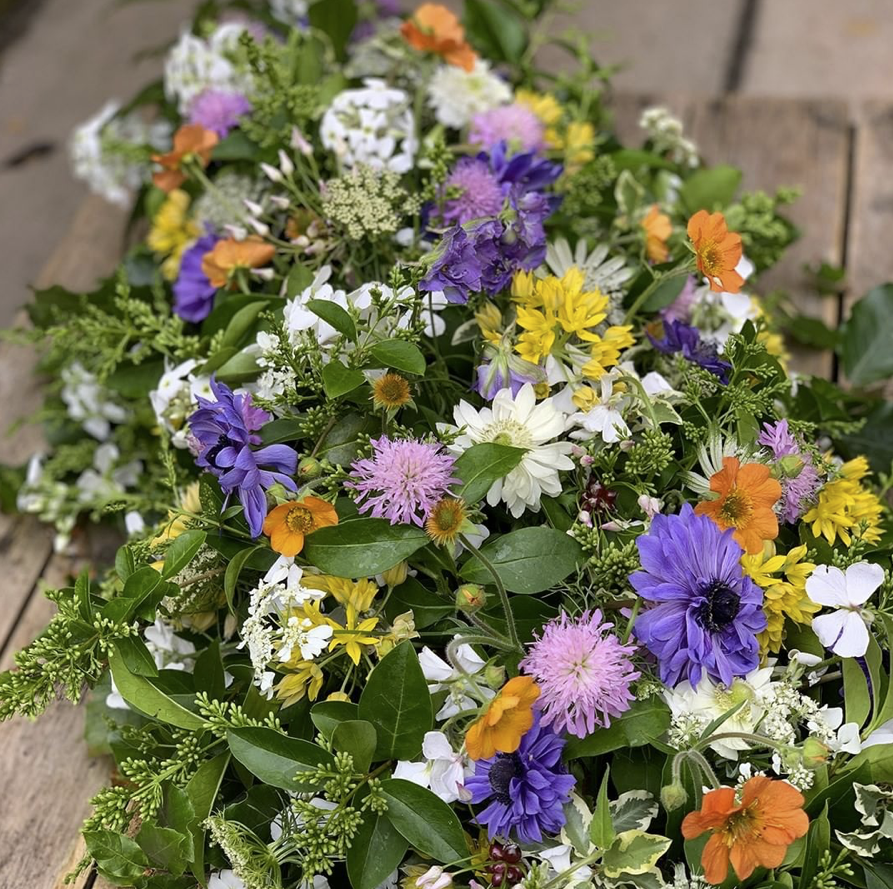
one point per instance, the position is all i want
(97, 157)
(372, 126)
(521, 423)
(710, 460)
(456, 95)
(193, 65)
(86, 401)
(708, 701)
(441, 675)
(443, 770)
(289, 12)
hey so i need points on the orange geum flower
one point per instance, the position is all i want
(746, 496)
(753, 833)
(509, 715)
(230, 255)
(433, 28)
(289, 523)
(191, 141)
(658, 229)
(718, 251)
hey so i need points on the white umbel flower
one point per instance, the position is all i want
(521, 423)
(457, 95)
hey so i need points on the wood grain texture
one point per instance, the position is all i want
(776, 142)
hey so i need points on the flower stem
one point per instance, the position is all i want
(640, 300)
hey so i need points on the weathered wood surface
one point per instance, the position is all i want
(841, 157)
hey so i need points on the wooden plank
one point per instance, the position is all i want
(776, 142)
(870, 257)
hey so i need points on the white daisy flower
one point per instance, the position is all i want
(457, 95)
(521, 423)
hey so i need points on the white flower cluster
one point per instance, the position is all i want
(175, 398)
(373, 126)
(274, 629)
(88, 403)
(289, 12)
(666, 134)
(195, 64)
(102, 152)
(457, 95)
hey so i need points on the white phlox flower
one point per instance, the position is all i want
(443, 770)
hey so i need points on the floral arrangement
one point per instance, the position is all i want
(478, 531)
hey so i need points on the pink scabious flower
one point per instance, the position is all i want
(798, 491)
(478, 193)
(514, 124)
(402, 480)
(584, 673)
(218, 110)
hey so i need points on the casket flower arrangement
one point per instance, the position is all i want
(479, 532)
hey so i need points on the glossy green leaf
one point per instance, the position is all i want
(334, 315)
(497, 29)
(864, 346)
(362, 547)
(241, 323)
(397, 702)
(328, 715)
(182, 551)
(202, 789)
(481, 465)
(136, 656)
(165, 847)
(234, 570)
(428, 823)
(601, 830)
(337, 18)
(276, 758)
(400, 355)
(117, 857)
(375, 853)
(358, 738)
(711, 189)
(645, 721)
(338, 380)
(529, 560)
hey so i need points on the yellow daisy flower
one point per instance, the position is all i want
(172, 232)
(353, 635)
(306, 679)
(846, 509)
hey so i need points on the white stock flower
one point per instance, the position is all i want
(444, 771)
(843, 631)
(107, 480)
(457, 95)
(87, 402)
(522, 423)
(372, 126)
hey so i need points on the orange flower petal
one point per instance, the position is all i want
(285, 541)
(715, 860)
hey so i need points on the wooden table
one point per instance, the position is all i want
(842, 158)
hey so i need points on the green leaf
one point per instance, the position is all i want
(328, 715)
(635, 809)
(529, 560)
(136, 380)
(362, 547)
(818, 840)
(182, 551)
(117, 857)
(202, 789)
(136, 656)
(299, 278)
(710, 189)
(233, 570)
(644, 722)
(338, 380)
(397, 702)
(235, 147)
(864, 347)
(276, 758)
(337, 18)
(856, 696)
(241, 322)
(426, 821)
(283, 429)
(334, 315)
(124, 562)
(427, 608)
(481, 465)
(601, 830)
(496, 29)
(400, 355)
(342, 444)
(241, 368)
(634, 852)
(375, 853)
(812, 332)
(358, 738)
(165, 847)
(141, 694)
(664, 294)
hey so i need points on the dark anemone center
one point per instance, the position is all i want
(719, 609)
(506, 767)
(212, 453)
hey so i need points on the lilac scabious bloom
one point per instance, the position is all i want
(514, 124)
(583, 671)
(706, 613)
(403, 480)
(223, 432)
(193, 292)
(679, 337)
(797, 490)
(481, 192)
(527, 789)
(218, 110)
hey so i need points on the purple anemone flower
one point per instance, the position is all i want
(526, 790)
(706, 612)
(797, 490)
(218, 110)
(679, 337)
(193, 292)
(223, 432)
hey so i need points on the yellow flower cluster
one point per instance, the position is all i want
(575, 138)
(552, 310)
(846, 509)
(783, 580)
(172, 232)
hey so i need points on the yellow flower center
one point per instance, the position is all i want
(299, 519)
(736, 508)
(508, 432)
(711, 259)
(391, 391)
(740, 826)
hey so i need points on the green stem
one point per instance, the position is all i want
(632, 620)
(640, 300)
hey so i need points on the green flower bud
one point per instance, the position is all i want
(673, 796)
(494, 676)
(470, 597)
(309, 468)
